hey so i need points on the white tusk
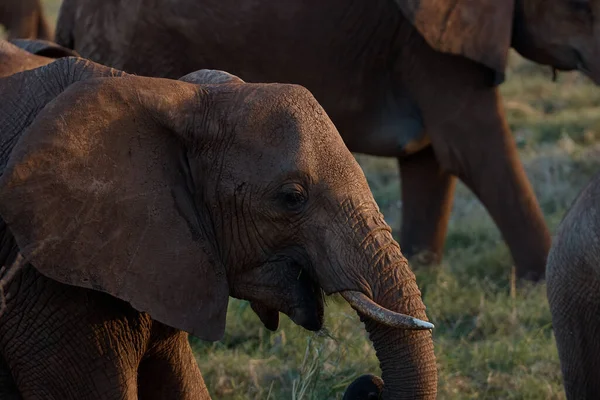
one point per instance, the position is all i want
(374, 311)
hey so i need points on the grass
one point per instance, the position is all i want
(492, 341)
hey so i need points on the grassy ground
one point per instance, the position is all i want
(492, 342)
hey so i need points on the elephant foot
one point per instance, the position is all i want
(365, 387)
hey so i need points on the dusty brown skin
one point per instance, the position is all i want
(25, 19)
(22, 54)
(144, 203)
(393, 76)
(573, 275)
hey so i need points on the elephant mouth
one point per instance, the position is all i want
(304, 304)
(310, 311)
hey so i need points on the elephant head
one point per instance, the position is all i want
(559, 33)
(174, 195)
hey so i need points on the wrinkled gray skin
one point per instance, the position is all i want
(408, 79)
(25, 19)
(573, 288)
(189, 190)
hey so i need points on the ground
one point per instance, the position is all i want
(492, 340)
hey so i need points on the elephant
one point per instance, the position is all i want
(415, 80)
(25, 19)
(19, 55)
(132, 207)
(573, 290)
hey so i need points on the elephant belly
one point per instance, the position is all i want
(389, 127)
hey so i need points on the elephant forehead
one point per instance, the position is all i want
(289, 129)
(288, 117)
(282, 109)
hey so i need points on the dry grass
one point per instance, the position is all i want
(492, 341)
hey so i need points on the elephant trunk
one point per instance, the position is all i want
(390, 305)
(406, 356)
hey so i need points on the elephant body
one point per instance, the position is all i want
(25, 19)
(133, 207)
(573, 288)
(405, 79)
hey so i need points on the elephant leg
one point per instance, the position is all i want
(63, 342)
(427, 194)
(44, 30)
(493, 171)
(8, 388)
(25, 28)
(169, 370)
(574, 298)
(466, 122)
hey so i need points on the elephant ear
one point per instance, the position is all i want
(20, 106)
(98, 194)
(476, 29)
(44, 48)
(210, 76)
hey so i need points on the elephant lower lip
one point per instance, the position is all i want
(268, 316)
(307, 318)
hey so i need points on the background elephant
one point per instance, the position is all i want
(393, 76)
(142, 204)
(23, 54)
(573, 274)
(25, 19)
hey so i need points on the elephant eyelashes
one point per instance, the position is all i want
(292, 197)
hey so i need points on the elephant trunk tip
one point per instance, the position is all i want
(365, 387)
(374, 311)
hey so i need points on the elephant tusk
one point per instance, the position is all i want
(372, 310)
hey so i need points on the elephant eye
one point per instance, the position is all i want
(292, 197)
